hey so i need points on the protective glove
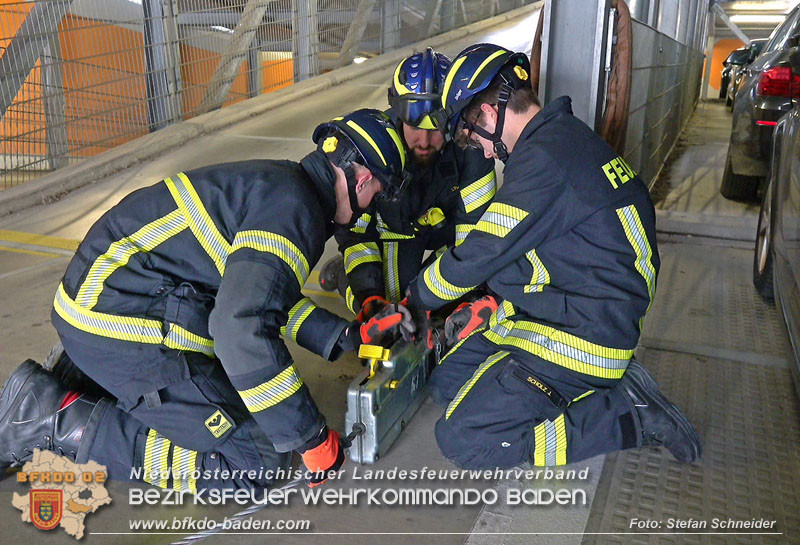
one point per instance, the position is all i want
(325, 458)
(468, 317)
(384, 324)
(371, 306)
(421, 320)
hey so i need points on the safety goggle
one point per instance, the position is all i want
(407, 108)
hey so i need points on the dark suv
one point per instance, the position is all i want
(764, 95)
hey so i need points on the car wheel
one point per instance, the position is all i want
(762, 257)
(736, 186)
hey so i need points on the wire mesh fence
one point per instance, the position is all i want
(78, 77)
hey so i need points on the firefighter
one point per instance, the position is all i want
(568, 248)
(174, 305)
(449, 190)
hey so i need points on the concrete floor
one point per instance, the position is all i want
(692, 318)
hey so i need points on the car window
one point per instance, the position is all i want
(740, 56)
(783, 32)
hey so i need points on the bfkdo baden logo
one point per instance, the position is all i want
(46, 508)
(62, 493)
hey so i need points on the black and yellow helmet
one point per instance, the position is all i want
(369, 138)
(414, 94)
(473, 70)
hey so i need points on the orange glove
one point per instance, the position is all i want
(468, 317)
(371, 306)
(323, 459)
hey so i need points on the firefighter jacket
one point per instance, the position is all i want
(460, 184)
(569, 243)
(213, 261)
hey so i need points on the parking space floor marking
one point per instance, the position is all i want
(39, 240)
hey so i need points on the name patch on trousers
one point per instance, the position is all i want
(540, 385)
(217, 424)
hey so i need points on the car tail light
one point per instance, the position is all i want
(779, 81)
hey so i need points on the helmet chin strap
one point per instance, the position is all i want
(496, 137)
(350, 176)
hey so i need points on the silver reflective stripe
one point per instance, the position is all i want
(479, 192)
(391, 272)
(568, 351)
(273, 391)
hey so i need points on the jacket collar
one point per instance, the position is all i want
(561, 105)
(322, 175)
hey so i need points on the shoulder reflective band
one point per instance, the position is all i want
(200, 221)
(264, 241)
(362, 223)
(479, 192)
(500, 218)
(273, 391)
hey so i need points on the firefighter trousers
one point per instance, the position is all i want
(506, 409)
(188, 432)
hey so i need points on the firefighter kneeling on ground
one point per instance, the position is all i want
(568, 246)
(219, 253)
(449, 189)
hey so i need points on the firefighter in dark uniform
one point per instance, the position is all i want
(449, 190)
(175, 303)
(568, 247)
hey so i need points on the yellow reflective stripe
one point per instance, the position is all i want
(479, 192)
(273, 391)
(504, 310)
(365, 135)
(128, 328)
(358, 254)
(488, 59)
(391, 271)
(500, 218)
(183, 339)
(550, 447)
(462, 230)
(264, 241)
(385, 233)
(584, 394)
(362, 223)
(401, 150)
(440, 287)
(184, 463)
(200, 221)
(120, 252)
(634, 230)
(350, 300)
(448, 81)
(297, 315)
(156, 456)
(561, 348)
(462, 393)
(540, 276)
(399, 88)
(459, 343)
(124, 328)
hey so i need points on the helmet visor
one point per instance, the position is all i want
(415, 109)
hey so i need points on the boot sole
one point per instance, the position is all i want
(645, 380)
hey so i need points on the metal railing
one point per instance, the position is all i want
(78, 77)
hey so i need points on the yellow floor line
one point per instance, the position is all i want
(30, 252)
(39, 240)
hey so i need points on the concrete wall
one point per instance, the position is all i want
(666, 82)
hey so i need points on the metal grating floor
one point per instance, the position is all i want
(720, 356)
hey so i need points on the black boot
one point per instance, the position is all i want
(660, 422)
(30, 417)
(332, 274)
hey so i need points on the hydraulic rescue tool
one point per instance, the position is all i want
(385, 396)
